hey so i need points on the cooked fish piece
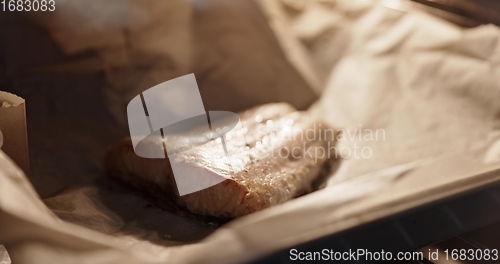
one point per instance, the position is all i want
(285, 152)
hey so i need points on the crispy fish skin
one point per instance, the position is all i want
(280, 163)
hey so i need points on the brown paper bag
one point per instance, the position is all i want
(13, 135)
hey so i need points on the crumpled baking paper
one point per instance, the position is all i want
(379, 83)
(428, 84)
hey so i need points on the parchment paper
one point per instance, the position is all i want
(440, 141)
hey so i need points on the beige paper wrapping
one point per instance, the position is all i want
(13, 128)
(4, 256)
(33, 234)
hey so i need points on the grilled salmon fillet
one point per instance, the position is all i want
(285, 152)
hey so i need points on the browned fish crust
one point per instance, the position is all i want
(267, 179)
